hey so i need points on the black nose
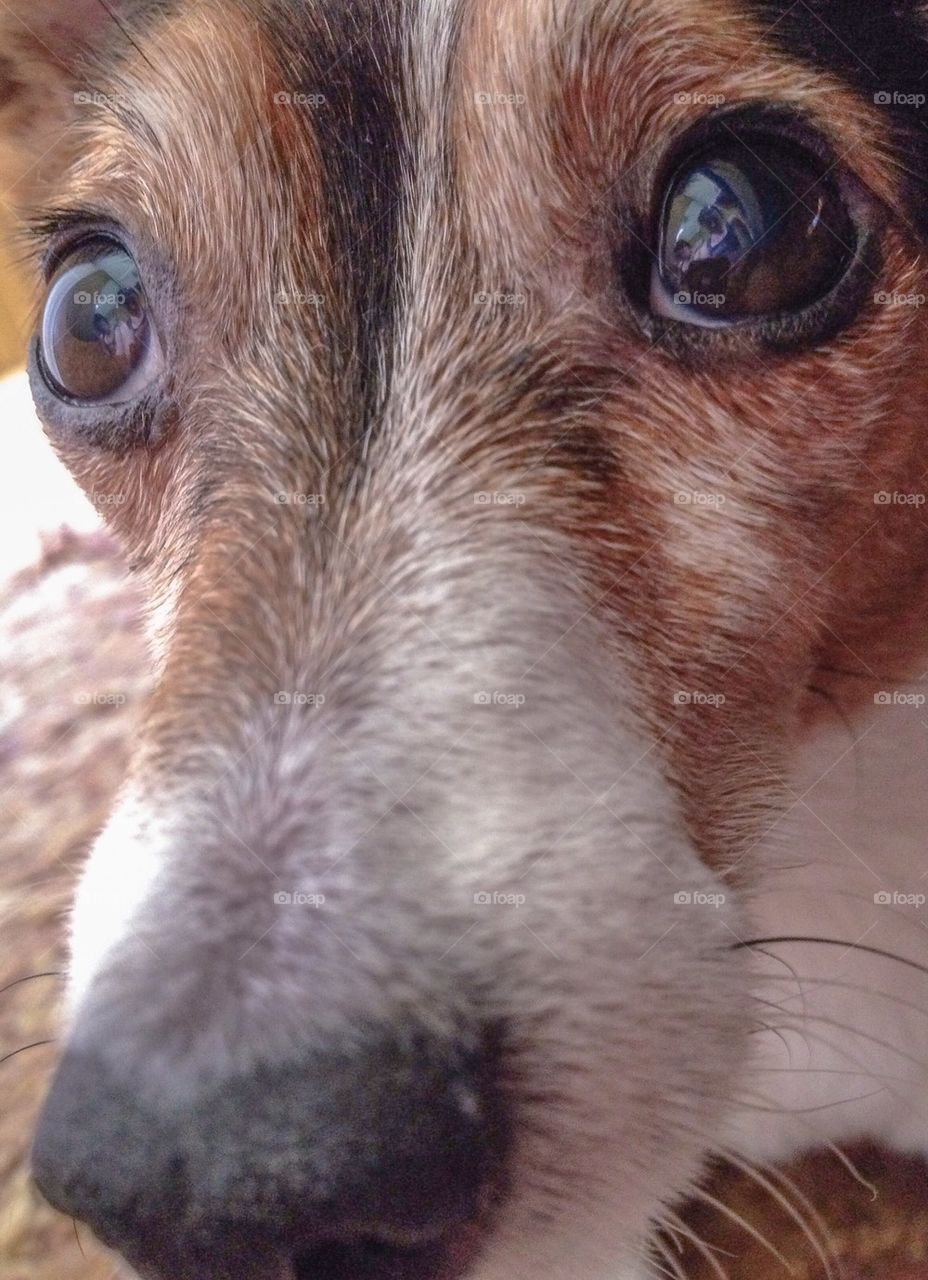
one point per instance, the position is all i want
(362, 1163)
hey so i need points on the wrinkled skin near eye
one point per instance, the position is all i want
(98, 344)
(750, 230)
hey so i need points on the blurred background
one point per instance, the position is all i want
(13, 305)
(36, 493)
(69, 632)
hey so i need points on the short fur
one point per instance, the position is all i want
(421, 451)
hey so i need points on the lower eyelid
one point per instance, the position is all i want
(666, 304)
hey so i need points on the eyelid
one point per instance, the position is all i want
(57, 233)
(671, 307)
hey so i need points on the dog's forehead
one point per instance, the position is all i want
(331, 183)
(320, 149)
(374, 88)
(375, 70)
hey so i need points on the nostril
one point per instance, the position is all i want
(366, 1260)
(370, 1259)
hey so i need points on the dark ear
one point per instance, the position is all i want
(45, 46)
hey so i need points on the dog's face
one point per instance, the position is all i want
(497, 400)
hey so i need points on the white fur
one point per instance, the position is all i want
(117, 881)
(398, 800)
(559, 800)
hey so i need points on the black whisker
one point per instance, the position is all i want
(22, 1049)
(53, 973)
(832, 942)
(125, 31)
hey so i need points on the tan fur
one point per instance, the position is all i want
(554, 124)
(224, 142)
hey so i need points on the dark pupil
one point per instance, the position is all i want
(750, 231)
(95, 326)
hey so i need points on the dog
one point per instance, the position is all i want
(516, 415)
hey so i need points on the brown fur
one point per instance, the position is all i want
(567, 399)
(843, 419)
(61, 762)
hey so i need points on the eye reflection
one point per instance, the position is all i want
(96, 338)
(752, 231)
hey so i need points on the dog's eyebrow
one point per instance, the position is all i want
(44, 234)
(47, 224)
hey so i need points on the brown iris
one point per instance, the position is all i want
(753, 229)
(97, 341)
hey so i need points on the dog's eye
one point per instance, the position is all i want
(749, 231)
(97, 341)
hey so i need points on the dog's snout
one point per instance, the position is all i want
(384, 1149)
